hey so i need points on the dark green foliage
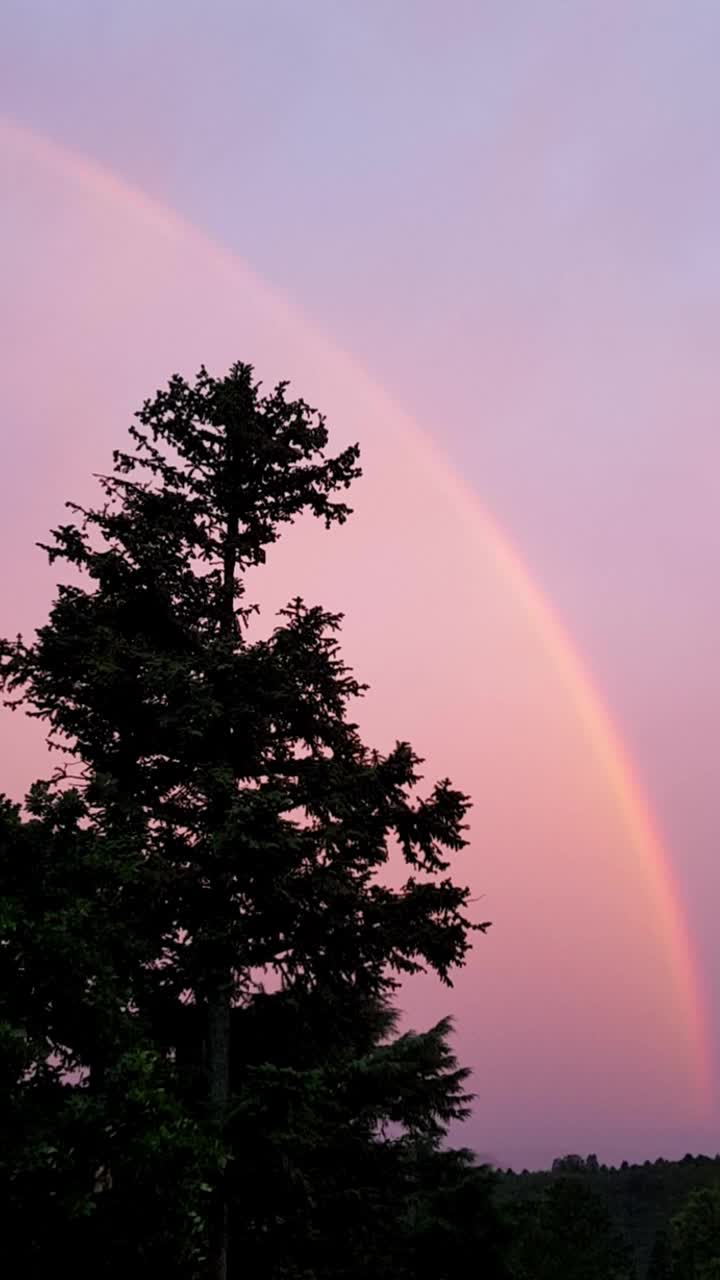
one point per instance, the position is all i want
(567, 1232)
(641, 1200)
(201, 886)
(334, 1200)
(695, 1237)
(660, 1266)
(87, 1104)
(453, 1229)
(235, 763)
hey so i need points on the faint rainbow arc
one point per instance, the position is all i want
(592, 713)
(616, 765)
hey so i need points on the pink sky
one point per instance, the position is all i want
(524, 260)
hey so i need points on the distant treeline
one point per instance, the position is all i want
(658, 1210)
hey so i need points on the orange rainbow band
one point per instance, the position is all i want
(594, 717)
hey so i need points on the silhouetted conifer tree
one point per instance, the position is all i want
(200, 924)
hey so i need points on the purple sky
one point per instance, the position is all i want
(507, 214)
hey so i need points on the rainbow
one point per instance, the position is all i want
(551, 634)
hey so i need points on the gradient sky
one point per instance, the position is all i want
(505, 215)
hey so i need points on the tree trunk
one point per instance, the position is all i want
(218, 1068)
(219, 1002)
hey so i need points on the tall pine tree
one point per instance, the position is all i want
(233, 814)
